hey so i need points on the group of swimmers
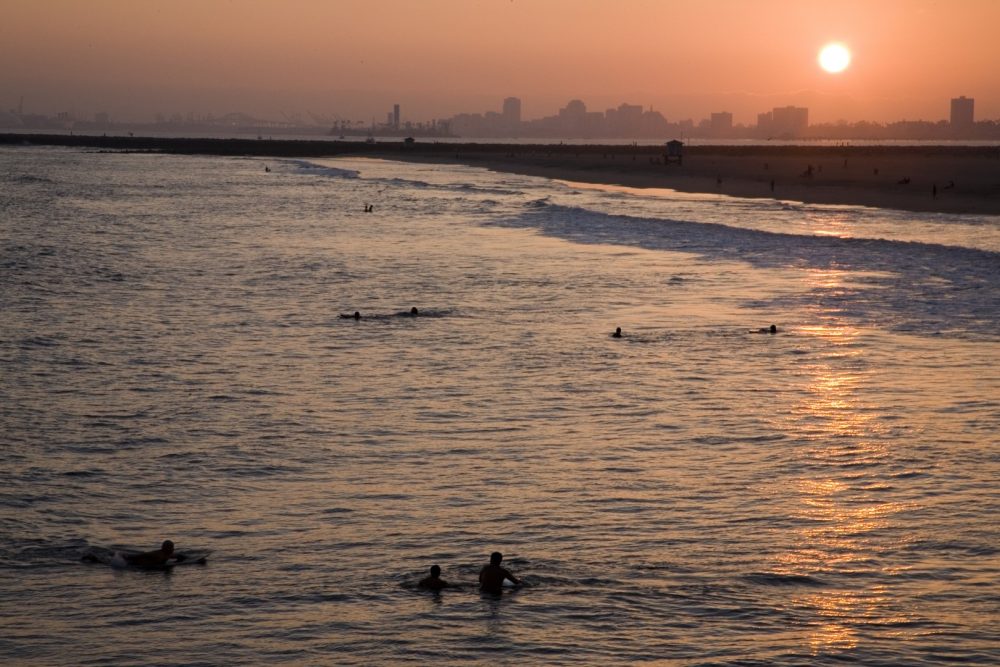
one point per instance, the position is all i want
(773, 329)
(491, 577)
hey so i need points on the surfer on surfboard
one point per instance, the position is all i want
(155, 558)
(492, 576)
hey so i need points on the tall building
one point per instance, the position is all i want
(395, 116)
(721, 123)
(789, 121)
(962, 116)
(512, 111)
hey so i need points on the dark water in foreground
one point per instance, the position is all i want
(173, 365)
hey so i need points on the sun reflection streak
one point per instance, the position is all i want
(838, 510)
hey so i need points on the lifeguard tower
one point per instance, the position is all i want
(675, 152)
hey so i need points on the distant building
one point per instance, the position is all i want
(962, 113)
(721, 124)
(395, 116)
(764, 122)
(783, 122)
(512, 111)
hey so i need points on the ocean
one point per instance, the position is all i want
(175, 364)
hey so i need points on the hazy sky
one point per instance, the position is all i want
(353, 58)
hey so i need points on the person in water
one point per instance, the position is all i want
(434, 582)
(769, 330)
(355, 316)
(617, 333)
(414, 311)
(492, 576)
(155, 558)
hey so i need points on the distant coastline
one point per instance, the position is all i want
(947, 178)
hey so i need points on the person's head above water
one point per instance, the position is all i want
(414, 311)
(495, 558)
(435, 571)
(357, 315)
(167, 547)
(774, 329)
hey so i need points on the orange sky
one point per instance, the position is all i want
(354, 58)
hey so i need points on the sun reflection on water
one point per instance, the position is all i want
(841, 464)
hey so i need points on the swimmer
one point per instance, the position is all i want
(492, 576)
(414, 311)
(769, 330)
(617, 333)
(434, 582)
(156, 558)
(355, 316)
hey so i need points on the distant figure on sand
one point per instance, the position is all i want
(355, 316)
(156, 558)
(492, 576)
(434, 582)
(617, 333)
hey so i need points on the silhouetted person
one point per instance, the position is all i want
(772, 329)
(772, 185)
(434, 582)
(766, 330)
(157, 558)
(355, 316)
(492, 576)
(617, 333)
(934, 191)
(414, 311)
(267, 170)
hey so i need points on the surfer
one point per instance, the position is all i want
(355, 316)
(492, 576)
(768, 330)
(155, 558)
(434, 582)
(617, 333)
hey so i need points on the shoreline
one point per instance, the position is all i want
(942, 179)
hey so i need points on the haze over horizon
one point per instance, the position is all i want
(351, 60)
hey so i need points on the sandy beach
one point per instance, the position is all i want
(946, 179)
(941, 179)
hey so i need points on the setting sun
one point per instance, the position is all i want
(834, 58)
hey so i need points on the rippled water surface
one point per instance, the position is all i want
(174, 364)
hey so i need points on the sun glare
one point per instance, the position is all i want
(834, 58)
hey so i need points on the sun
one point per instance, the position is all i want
(834, 57)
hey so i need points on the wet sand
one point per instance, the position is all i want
(937, 179)
(947, 179)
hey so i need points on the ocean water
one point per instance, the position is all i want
(173, 364)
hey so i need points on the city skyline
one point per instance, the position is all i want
(574, 120)
(347, 60)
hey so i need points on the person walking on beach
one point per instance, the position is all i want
(492, 576)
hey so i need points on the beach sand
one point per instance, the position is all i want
(946, 179)
(937, 179)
